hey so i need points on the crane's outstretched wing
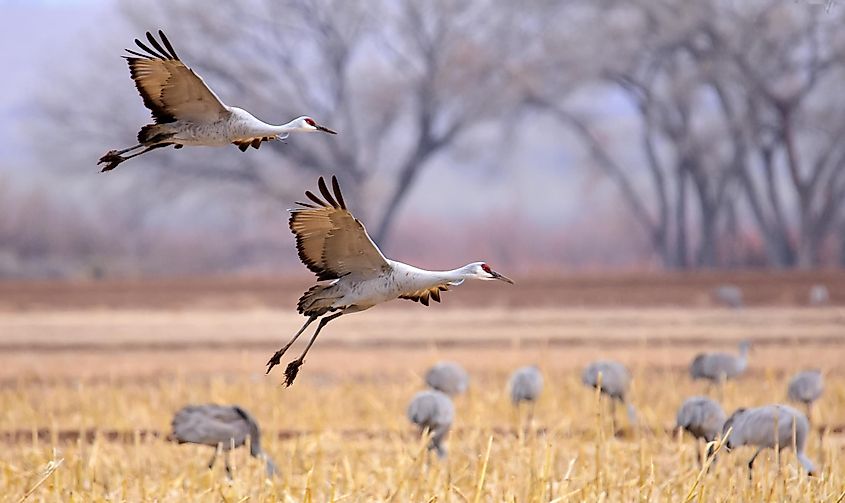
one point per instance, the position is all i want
(171, 90)
(331, 242)
(209, 424)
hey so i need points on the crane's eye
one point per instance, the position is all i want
(310, 122)
(486, 268)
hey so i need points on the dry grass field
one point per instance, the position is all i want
(91, 375)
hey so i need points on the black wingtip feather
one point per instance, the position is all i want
(337, 194)
(157, 45)
(310, 195)
(154, 54)
(137, 54)
(167, 44)
(324, 190)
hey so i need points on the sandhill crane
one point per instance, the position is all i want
(448, 377)
(432, 411)
(806, 387)
(819, 295)
(614, 382)
(335, 246)
(757, 427)
(728, 295)
(526, 384)
(718, 367)
(187, 112)
(220, 426)
(703, 418)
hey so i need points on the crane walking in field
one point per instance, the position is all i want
(334, 245)
(526, 384)
(223, 427)
(769, 426)
(613, 380)
(703, 418)
(432, 411)
(806, 387)
(448, 377)
(187, 112)
(718, 367)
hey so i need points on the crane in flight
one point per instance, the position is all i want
(187, 112)
(335, 246)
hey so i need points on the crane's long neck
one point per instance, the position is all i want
(286, 127)
(456, 276)
(421, 278)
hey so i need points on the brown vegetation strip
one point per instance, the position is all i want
(557, 289)
(418, 343)
(131, 436)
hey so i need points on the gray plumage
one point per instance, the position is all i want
(806, 387)
(717, 367)
(448, 377)
(526, 384)
(769, 426)
(819, 295)
(728, 295)
(223, 426)
(703, 418)
(432, 411)
(615, 382)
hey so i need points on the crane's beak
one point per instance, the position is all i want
(500, 277)
(324, 129)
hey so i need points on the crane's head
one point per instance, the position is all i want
(306, 123)
(480, 270)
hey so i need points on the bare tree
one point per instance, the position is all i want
(735, 108)
(402, 82)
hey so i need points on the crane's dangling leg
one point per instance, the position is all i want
(277, 358)
(113, 157)
(293, 367)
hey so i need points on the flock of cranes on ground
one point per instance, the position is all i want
(775, 426)
(353, 275)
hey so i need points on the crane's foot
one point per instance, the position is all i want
(291, 371)
(276, 359)
(111, 159)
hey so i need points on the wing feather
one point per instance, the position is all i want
(423, 296)
(171, 90)
(330, 241)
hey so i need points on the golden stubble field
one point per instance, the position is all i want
(87, 393)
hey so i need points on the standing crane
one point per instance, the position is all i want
(806, 387)
(526, 384)
(220, 426)
(702, 417)
(335, 246)
(718, 367)
(187, 112)
(769, 427)
(614, 380)
(448, 377)
(432, 411)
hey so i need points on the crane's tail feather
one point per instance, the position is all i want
(315, 302)
(154, 133)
